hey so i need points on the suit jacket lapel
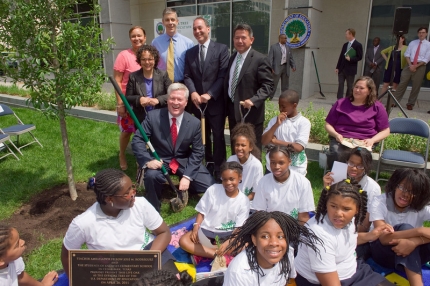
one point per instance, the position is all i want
(141, 86)
(182, 130)
(165, 126)
(210, 52)
(156, 79)
(246, 64)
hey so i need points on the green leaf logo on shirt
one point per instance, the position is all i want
(247, 191)
(298, 158)
(294, 213)
(227, 226)
(145, 241)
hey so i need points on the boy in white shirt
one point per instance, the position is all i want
(289, 128)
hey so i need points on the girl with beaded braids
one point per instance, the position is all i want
(341, 208)
(359, 164)
(118, 221)
(262, 249)
(11, 264)
(405, 206)
(283, 189)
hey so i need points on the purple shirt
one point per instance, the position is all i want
(358, 122)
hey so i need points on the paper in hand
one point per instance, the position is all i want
(204, 240)
(339, 171)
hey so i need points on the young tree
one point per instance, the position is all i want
(294, 30)
(59, 54)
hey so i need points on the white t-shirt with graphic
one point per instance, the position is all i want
(292, 197)
(9, 275)
(127, 231)
(295, 130)
(252, 173)
(383, 209)
(221, 212)
(239, 273)
(337, 253)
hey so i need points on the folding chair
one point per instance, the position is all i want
(410, 126)
(19, 128)
(3, 139)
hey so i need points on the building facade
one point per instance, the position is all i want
(329, 20)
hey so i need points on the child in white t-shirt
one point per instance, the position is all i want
(246, 153)
(262, 251)
(221, 209)
(404, 206)
(341, 208)
(290, 127)
(284, 190)
(359, 165)
(11, 264)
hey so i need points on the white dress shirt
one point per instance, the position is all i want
(233, 65)
(424, 55)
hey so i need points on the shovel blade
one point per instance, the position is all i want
(180, 202)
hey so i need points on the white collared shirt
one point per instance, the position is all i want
(178, 120)
(206, 44)
(424, 55)
(239, 68)
(284, 54)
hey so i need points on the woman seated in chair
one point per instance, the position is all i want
(360, 117)
(118, 221)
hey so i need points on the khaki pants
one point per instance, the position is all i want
(417, 79)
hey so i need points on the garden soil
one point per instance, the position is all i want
(48, 214)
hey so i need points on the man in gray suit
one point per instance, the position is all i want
(281, 60)
(374, 62)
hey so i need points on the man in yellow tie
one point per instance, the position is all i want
(172, 47)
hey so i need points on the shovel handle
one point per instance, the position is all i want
(203, 120)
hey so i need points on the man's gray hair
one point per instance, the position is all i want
(178, 86)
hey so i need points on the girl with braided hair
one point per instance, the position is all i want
(11, 264)
(359, 163)
(118, 221)
(246, 154)
(341, 208)
(283, 189)
(405, 206)
(164, 278)
(263, 252)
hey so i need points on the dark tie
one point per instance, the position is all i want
(173, 165)
(202, 57)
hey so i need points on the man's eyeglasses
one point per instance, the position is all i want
(359, 167)
(129, 195)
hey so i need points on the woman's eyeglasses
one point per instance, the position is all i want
(129, 195)
(359, 167)
(404, 190)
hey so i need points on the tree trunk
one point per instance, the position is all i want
(67, 154)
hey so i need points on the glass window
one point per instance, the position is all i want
(180, 3)
(255, 13)
(186, 11)
(219, 21)
(382, 19)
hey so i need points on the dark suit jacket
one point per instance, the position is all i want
(189, 151)
(136, 88)
(275, 57)
(211, 79)
(255, 82)
(371, 57)
(350, 67)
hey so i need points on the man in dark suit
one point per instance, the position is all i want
(281, 60)
(346, 67)
(205, 69)
(249, 79)
(176, 137)
(374, 62)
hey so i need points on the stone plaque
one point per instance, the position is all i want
(115, 267)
